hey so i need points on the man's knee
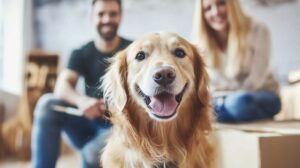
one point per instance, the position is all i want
(44, 106)
(91, 156)
(92, 151)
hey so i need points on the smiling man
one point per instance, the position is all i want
(87, 130)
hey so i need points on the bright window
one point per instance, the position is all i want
(1, 41)
(12, 45)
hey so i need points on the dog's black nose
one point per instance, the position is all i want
(164, 76)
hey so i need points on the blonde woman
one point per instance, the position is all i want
(237, 53)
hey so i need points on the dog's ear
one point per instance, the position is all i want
(201, 76)
(201, 84)
(114, 83)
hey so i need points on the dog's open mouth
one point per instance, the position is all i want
(164, 104)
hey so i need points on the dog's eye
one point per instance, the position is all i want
(179, 53)
(140, 55)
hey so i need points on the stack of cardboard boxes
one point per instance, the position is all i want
(265, 144)
(290, 97)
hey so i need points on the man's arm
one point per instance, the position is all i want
(65, 90)
(65, 87)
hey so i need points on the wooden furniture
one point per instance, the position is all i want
(42, 69)
(40, 75)
(1, 122)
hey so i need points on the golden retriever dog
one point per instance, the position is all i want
(156, 90)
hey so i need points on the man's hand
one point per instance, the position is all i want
(91, 107)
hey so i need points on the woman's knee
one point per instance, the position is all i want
(239, 100)
(240, 105)
(274, 106)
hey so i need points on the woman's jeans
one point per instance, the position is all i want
(244, 106)
(87, 136)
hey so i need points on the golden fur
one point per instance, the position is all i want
(139, 139)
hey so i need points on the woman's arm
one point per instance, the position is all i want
(259, 68)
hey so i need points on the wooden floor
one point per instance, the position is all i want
(65, 161)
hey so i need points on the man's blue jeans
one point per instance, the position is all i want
(247, 106)
(87, 136)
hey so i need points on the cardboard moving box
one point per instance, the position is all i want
(290, 98)
(259, 145)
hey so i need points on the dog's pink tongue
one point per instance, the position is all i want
(164, 104)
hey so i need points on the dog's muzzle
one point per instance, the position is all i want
(164, 104)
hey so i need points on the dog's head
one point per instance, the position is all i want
(161, 73)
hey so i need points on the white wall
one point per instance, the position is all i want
(284, 24)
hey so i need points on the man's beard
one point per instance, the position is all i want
(108, 35)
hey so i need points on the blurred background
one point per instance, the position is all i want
(59, 26)
(53, 28)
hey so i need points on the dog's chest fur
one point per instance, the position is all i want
(167, 165)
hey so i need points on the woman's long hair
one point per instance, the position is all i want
(239, 25)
